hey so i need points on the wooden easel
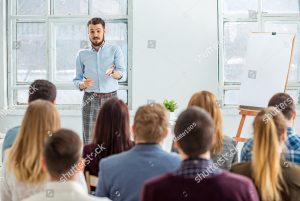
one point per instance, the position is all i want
(253, 112)
(244, 113)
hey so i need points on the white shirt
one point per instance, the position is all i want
(69, 191)
(13, 190)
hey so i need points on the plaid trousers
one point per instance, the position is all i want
(91, 106)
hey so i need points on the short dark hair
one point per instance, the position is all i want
(96, 20)
(62, 150)
(194, 130)
(284, 103)
(42, 89)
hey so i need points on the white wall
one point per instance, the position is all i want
(182, 30)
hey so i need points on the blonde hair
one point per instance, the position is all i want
(208, 101)
(266, 169)
(150, 122)
(24, 158)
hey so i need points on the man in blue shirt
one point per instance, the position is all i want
(99, 68)
(285, 104)
(39, 89)
(121, 176)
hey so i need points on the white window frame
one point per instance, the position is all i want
(261, 18)
(11, 20)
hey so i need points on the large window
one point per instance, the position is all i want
(237, 19)
(44, 37)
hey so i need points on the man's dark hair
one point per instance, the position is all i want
(42, 89)
(63, 150)
(96, 20)
(194, 130)
(284, 103)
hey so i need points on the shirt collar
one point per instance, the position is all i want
(147, 147)
(190, 168)
(100, 48)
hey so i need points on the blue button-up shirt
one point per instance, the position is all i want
(292, 144)
(93, 64)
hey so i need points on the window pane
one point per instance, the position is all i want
(287, 27)
(31, 7)
(31, 52)
(22, 97)
(281, 6)
(70, 7)
(69, 39)
(69, 97)
(231, 97)
(72, 37)
(241, 6)
(235, 46)
(109, 7)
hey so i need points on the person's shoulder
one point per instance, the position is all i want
(117, 158)
(236, 179)
(112, 47)
(37, 197)
(241, 168)
(290, 170)
(12, 131)
(84, 51)
(229, 140)
(162, 180)
(10, 137)
(172, 156)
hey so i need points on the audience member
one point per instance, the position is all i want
(62, 156)
(39, 89)
(223, 146)
(274, 178)
(198, 178)
(121, 176)
(283, 103)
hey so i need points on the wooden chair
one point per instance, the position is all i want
(91, 181)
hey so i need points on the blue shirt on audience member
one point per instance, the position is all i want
(9, 139)
(292, 143)
(122, 176)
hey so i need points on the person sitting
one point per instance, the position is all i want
(22, 168)
(61, 157)
(122, 175)
(198, 178)
(274, 178)
(111, 136)
(223, 146)
(39, 89)
(283, 103)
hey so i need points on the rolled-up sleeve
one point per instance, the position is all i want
(79, 73)
(120, 64)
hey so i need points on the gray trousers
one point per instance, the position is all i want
(91, 106)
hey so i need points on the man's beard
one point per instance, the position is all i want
(97, 44)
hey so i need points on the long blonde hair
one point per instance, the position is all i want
(269, 127)
(24, 158)
(208, 101)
